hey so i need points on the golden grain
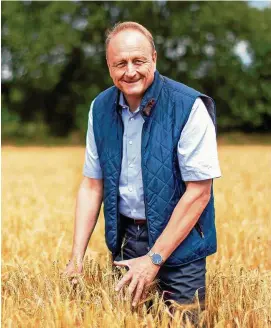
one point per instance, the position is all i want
(39, 187)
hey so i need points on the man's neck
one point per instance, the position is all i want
(133, 102)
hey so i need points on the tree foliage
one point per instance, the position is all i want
(53, 57)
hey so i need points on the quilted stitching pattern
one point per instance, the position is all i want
(163, 184)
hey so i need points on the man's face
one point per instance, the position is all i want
(131, 62)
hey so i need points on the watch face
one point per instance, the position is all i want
(156, 258)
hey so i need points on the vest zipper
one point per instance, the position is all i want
(118, 214)
(199, 230)
(145, 203)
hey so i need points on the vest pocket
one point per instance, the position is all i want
(199, 229)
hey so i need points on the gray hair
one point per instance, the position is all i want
(110, 33)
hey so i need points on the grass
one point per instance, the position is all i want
(39, 187)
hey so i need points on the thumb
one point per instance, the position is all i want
(125, 263)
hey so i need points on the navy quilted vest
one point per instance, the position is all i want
(165, 107)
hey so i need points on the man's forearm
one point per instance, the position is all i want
(183, 219)
(88, 206)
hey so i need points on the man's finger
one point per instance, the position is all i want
(127, 277)
(144, 293)
(74, 281)
(133, 285)
(139, 290)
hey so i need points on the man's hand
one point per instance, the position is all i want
(72, 270)
(141, 274)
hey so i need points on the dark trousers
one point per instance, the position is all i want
(179, 283)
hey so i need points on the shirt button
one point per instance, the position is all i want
(130, 189)
(130, 142)
(131, 118)
(131, 165)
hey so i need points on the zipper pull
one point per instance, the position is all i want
(198, 228)
(138, 227)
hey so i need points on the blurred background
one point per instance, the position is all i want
(53, 62)
(53, 65)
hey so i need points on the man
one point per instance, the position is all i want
(151, 157)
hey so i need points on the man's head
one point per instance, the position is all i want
(131, 58)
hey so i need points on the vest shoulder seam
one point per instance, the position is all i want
(169, 87)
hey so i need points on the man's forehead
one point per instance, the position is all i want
(124, 53)
(130, 40)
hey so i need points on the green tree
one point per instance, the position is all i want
(53, 58)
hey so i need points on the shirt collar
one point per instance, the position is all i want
(122, 102)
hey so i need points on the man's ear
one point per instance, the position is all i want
(109, 68)
(154, 57)
(107, 61)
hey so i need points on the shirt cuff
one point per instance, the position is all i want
(199, 176)
(92, 174)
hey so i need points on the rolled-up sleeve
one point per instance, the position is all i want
(197, 147)
(91, 168)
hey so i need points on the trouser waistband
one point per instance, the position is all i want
(129, 220)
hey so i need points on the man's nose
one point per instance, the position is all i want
(130, 71)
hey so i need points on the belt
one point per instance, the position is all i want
(134, 221)
(138, 221)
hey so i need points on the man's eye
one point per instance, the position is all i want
(120, 65)
(138, 62)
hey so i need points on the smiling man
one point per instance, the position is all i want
(151, 156)
(131, 59)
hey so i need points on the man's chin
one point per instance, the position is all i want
(133, 91)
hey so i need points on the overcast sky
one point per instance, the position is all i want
(260, 4)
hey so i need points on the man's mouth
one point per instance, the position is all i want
(130, 82)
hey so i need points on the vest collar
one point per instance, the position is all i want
(150, 96)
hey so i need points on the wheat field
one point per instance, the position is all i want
(39, 187)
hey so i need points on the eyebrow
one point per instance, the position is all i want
(123, 60)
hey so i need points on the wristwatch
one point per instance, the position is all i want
(156, 258)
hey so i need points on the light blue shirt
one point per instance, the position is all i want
(197, 155)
